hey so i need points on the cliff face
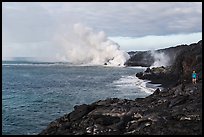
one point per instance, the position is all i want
(146, 59)
(186, 59)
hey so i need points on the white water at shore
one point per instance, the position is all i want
(132, 82)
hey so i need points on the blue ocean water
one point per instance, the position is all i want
(34, 94)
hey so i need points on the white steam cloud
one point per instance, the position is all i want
(82, 45)
(160, 59)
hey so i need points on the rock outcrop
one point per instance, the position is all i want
(160, 75)
(140, 58)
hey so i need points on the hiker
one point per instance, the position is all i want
(194, 77)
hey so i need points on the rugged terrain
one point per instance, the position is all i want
(176, 110)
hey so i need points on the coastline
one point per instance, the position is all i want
(174, 110)
(176, 106)
(160, 113)
(146, 86)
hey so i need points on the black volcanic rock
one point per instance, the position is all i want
(176, 110)
(190, 59)
(148, 70)
(146, 59)
(160, 75)
(187, 60)
(140, 58)
(173, 111)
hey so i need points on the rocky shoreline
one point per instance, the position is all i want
(175, 110)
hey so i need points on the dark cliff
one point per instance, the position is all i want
(187, 59)
(146, 59)
(140, 58)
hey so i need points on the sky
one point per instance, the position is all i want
(31, 29)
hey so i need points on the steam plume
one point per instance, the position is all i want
(160, 59)
(84, 46)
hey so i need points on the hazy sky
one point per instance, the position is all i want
(29, 29)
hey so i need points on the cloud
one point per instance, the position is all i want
(31, 23)
(27, 23)
(116, 19)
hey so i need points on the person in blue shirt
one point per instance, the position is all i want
(194, 77)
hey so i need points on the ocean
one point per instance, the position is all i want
(36, 93)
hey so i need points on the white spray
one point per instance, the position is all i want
(160, 59)
(83, 46)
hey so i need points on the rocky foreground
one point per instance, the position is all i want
(173, 111)
(176, 110)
